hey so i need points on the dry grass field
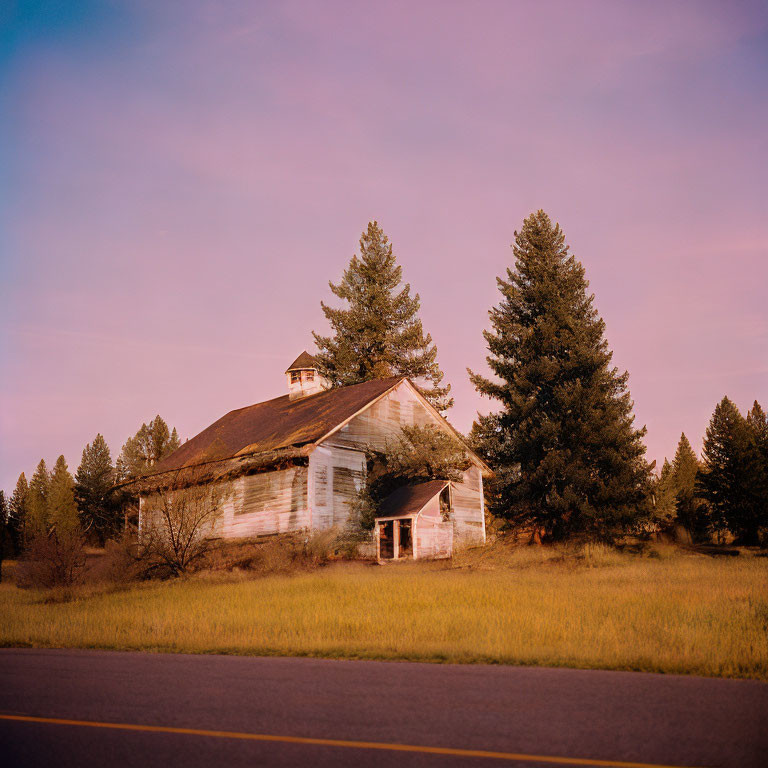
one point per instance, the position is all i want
(664, 611)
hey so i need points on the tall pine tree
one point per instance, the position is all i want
(379, 334)
(690, 510)
(151, 444)
(38, 518)
(94, 478)
(665, 510)
(728, 477)
(757, 424)
(62, 508)
(19, 514)
(569, 457)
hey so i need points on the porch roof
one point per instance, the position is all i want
(409, 500)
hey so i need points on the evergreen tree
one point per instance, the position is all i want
(727, 480)
(37, 514)
(19, 513)
(93, 481)
(569, 457)
(151, 444)
(665, 493)
(488, 439)
(379, 334)
(691, 512)
(62, 508)
(757, 424)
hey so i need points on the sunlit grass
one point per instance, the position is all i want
(599, 609)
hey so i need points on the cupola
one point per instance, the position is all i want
(304, 377)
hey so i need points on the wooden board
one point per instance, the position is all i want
(335, 478)
(267, 503)
(382, 422)
(434, 539)
(468, 508)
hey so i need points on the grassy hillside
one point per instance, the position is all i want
(670, 612)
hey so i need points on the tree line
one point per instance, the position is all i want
(55, 504)
(726, 491)
(566, 454)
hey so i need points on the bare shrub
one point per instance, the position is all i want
(55, 559)
(178, 522)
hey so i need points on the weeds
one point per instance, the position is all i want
(558, 606)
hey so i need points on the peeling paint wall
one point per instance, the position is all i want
(335, 477)
(434, 538)
(266, 503)
(469, 508)
(383, 421)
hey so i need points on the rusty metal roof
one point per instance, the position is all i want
(278, 423)
(302, 362)
(410, 499)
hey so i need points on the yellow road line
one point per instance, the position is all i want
(340, 743)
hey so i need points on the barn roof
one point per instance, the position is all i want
(302, 362)
(275, 424)
(410, 499)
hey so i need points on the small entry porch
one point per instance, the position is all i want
(394, 538)
(416, 522)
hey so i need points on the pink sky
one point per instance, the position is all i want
(182, 180)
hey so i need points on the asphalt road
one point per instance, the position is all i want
(571, 717)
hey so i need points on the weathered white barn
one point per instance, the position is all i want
(297, 462)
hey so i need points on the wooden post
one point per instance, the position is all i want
(396, 539)
(378, 541)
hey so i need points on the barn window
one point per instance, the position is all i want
(295, 376)
(310, 376)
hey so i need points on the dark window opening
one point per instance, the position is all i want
(406, 540)
(395, 531)
(295, 376)
(445, 503)
(386, 540)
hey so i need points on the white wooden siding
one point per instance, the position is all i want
(433, 539)
(383, 421)
(468, 508)
(335, 477)
(432, 508)
(266, 503)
